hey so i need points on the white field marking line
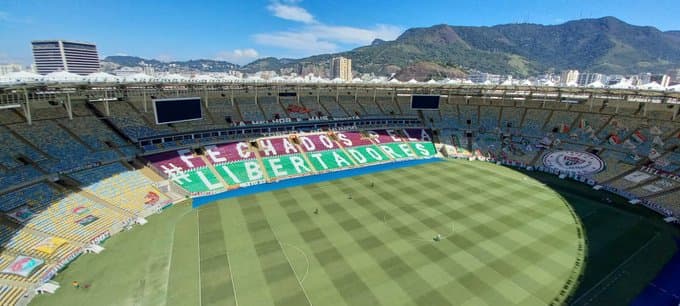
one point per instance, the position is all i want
(439, 213)
(291, 267)
(233, 280)
(172, 246)
(198, 237)
(302, 279)
(616, 269)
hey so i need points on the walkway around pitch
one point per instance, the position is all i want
(664, 290)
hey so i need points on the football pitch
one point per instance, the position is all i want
(506, 239)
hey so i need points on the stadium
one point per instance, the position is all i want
(183, 192)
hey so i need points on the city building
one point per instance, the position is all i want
(663, 79)
(644, 78)
(675, 75)
(127, 71)
(9, 68)
(61, 55)
(569, 77)
(483, 77)
(341, 68)
(590, 78)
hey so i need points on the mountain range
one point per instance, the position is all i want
(605, 45)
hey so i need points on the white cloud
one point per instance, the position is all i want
(317, 37)
(352, 35)
(298, 41)
(238, 56)
(290, 11)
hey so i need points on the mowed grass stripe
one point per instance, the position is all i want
(282, 281)
(183, 281)
(216, 282)
(349, 245)
(470, 281)
(351, 287)
(427, 267)
(372, 243)
(517, 222)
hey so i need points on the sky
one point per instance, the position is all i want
(245, 30)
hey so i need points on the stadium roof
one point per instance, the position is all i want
(596, 84)
(63, 76)
(101, 77)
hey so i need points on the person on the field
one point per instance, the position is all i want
(316, 211)
(349, 196)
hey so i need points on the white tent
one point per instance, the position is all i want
(203, 78)
(277, 79)
(230, 78)
(338, 80)
(528, 83)
(357, 80)
(101, 77)
(623, 84)
(571, 84)
(412, 81)
(596, 84)
(63, 77)
(652, 86)
(394, 81)
(173, 77)
(138, 78)
(254, 79)
(674, 88)
(431, 81)
(21, 77)
(507, 82)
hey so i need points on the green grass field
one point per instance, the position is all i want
(507, 240)
(627, 245)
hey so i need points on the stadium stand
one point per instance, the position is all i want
(129, 190)
(294, 109)
(249, 110)
(388, 105)
(534, 120)
(223, 112)
(11, 147)
(369, 106)
(352, 108)
(332, 107)
(64, 179)
(271, 108)
(404, 104)
(10, 116)
(93, 132)
(34, 195)
(58, 143)
(316, 142)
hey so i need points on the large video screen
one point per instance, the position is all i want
(177, 110)
(424, 102)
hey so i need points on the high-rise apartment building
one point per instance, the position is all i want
(341, 68)
(589, 78)
(61, 55)
(569, 77)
